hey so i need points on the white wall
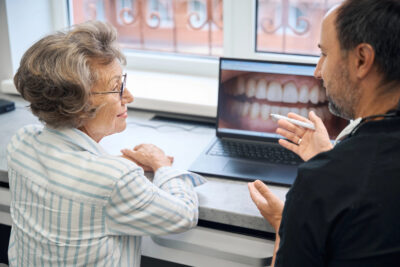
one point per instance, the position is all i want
(5, 56)
(27, 20)
(22, 22)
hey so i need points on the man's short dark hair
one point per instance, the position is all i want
(376, 22)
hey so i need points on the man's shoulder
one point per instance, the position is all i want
(349, 151)
(341, 165)
(348, 163)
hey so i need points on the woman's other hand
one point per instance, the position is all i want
(148, 156)
(305, 142)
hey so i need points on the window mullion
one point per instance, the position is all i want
(59, 14)
(239, 28)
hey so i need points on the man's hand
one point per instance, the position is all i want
(312, 142)
(148, 156)
(269, 205)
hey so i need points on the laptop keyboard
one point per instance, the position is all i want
(268, 153)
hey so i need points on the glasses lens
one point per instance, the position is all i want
(121, 93)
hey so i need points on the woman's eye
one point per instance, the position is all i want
(115, 88)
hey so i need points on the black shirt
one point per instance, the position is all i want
(344, 207)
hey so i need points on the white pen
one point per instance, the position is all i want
(297, 122)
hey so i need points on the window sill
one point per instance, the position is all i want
(165, 92)
(173, 93)
(7, 87)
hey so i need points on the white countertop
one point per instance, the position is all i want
(221, 200)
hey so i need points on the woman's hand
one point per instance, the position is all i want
(148, 156)
(269, 205)
(306, 143)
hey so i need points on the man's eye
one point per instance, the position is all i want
(115, 88)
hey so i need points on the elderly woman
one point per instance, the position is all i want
(72, 203)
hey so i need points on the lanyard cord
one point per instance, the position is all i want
(391, 114)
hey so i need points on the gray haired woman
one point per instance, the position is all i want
(72, 203)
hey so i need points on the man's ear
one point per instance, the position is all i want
(364, 56)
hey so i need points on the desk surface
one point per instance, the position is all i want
(221, 200)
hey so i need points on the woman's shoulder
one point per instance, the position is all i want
(23, 134)
(29, 130)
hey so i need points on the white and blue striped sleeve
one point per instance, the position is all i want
(168, 205)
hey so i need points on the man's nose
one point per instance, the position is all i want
(317, 71)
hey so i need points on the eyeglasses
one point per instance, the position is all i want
(120, 92)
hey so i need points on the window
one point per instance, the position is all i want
(292, 27)
(192, 27)
(285, 30)
(172, 46)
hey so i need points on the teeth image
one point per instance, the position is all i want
(320, 113)
(303, 94)
(315, 111)
(255, 110)
(234, 91)
(314, 92)
(304, 112)
(250, 88)
(238, 108)
(295, 110)
(261, 90)
(284, 111)
(241, 86)
(322, 95)
(290, 94)
(233, 108)
(265, 111)
(274, 92)
(245, 109)
(275, 110)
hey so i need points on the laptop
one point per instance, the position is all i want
(246, 146)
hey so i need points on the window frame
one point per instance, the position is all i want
(239, 42)
(243, 42)
(179, 72)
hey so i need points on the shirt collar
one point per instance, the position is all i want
(347, 130)
(78, 138)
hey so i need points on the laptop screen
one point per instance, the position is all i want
(249, 91)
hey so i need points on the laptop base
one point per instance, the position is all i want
(244, 170)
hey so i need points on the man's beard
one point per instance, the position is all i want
(346, 99)
(337, 111)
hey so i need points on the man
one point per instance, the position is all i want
(343, 208)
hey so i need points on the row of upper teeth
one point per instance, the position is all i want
(276, 92)
(256, 110)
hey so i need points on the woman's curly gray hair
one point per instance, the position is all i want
(57, 73)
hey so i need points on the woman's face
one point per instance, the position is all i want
(112, 114)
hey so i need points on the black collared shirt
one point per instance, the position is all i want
(344, 207)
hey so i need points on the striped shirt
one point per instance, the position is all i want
(72, 204)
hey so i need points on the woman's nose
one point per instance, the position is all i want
(127, 97)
